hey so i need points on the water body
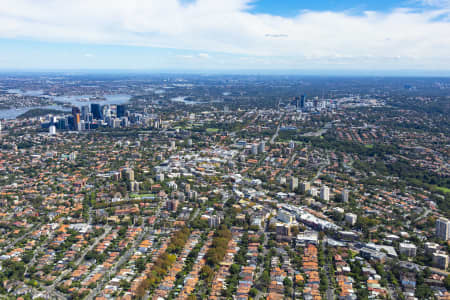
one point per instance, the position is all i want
(35, 93)
(110, 99)
(185, 100)
(12, 113)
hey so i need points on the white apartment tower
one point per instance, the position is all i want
(443, 228)
(325, 193)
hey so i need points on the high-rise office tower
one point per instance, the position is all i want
(75, 110)
(302, 101)
(85, 112)
(75, 122)
(71, 121)
(62, 124)
(106, 112)
(121, 110)
(96, 111)
(296, 102)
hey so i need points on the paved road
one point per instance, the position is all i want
(48, 294)
(79, 260)
(319, 132)
(261, 267)
(275, 135)
(330, 290)
(424, 215)
(319, 172)
(13, 244)
(38, 250)
(123, 259)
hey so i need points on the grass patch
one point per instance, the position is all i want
(443, 189)
(212, 129)
(142, 195)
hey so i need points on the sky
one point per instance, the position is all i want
(217, 35)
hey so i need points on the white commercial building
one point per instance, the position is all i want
(350, 218)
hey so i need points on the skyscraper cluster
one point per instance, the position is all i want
(91, 117)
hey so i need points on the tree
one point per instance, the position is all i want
(235, 269)
(295, 230)
(423, 291)
(447, 282)
(13, 270)
(287, 282)
(321, 235)
(140, 264)
(265, 279)
(206, 273)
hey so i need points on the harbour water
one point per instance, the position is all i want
(12, 113)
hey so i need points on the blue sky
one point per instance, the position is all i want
(291, 35)
(289, 8)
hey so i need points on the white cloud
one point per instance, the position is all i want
(89, 55)
(185, 56)
(204, 55)
(402, 38)
(437, 3)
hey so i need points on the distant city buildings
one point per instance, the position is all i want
(93, 117)
(96, 111)
(52, 130)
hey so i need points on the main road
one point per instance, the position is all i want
(79, 260)
(122, 260)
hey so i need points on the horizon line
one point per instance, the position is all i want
(248, 72)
